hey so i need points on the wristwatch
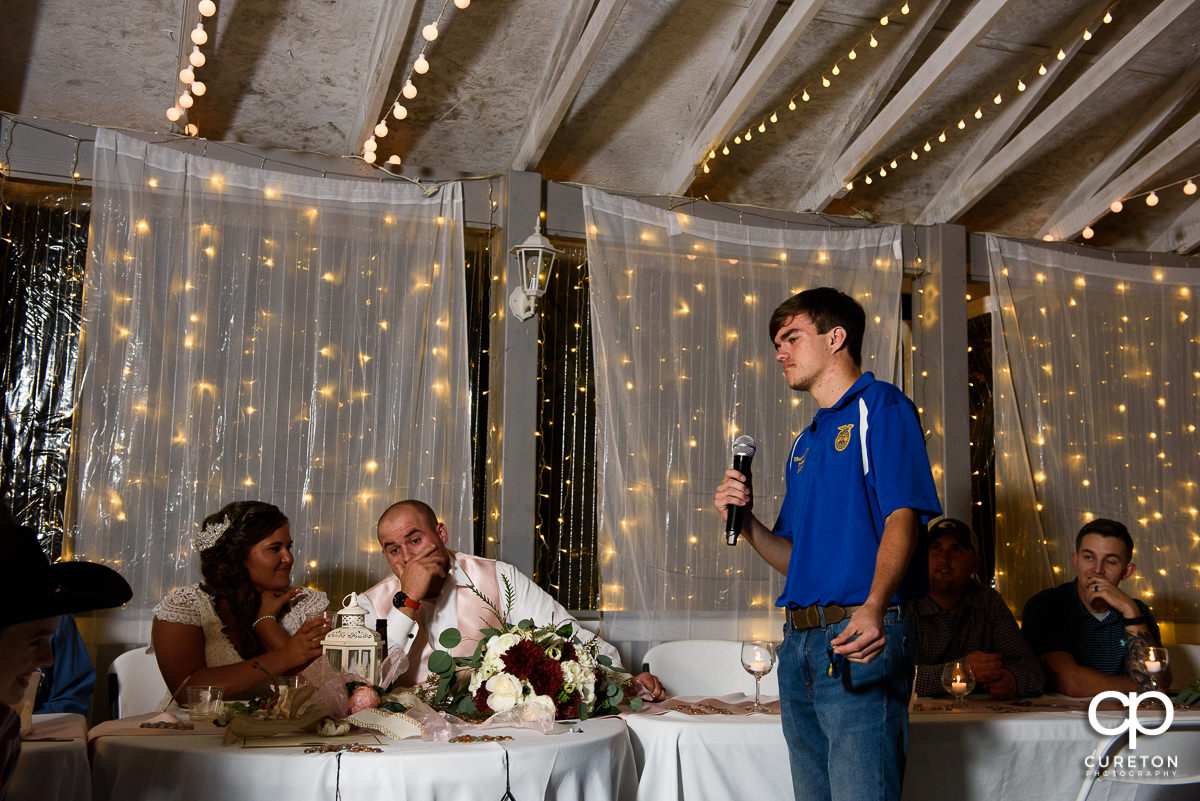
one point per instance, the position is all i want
(1133, 621)
(400, 600)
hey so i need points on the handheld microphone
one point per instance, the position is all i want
(743, 452)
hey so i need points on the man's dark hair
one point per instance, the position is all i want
(1106, 528)
(828, 308)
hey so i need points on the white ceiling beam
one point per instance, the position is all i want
(906, 100)
(1131, 143)
(391, 28)
(740, 47)
(1131, 181)
(548, 114)
(1021, 146)
(682, 171)
(1183, 234)
(1017, 107)
(570, 28)
(871, 96)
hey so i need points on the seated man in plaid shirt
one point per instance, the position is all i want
(962, 619)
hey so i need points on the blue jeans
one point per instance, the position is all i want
(846, 736)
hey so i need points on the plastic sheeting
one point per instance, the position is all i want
(1097, 398)
(252, 334)
(43, 246)
(680, 312)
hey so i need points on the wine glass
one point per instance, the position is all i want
(1156, 665)
(958, 680)
(758, 657)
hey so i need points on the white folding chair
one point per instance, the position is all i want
(1180, 742)
(138, 687)
(1185, 664)
(704, 667)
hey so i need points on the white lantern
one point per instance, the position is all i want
(535, 256)
(352, 647)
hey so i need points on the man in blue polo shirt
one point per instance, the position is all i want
(859, 491)
(1086, 631)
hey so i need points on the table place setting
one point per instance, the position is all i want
(733, 705)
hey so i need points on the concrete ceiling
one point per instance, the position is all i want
(633, 95)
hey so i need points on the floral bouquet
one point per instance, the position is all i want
(548, 668)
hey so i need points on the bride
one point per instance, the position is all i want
(244, 611)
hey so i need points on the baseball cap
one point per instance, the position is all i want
(957, 529)
(32, 588)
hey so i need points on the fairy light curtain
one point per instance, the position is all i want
(252, 334)
(680, 310)
(1097, 366)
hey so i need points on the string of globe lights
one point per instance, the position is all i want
(187, 73)
(804, 95)
(1151, 198)
(420, 66)
(880, 171)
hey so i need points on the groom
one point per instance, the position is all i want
(430, 590)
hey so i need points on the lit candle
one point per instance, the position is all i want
(758, 666)
(1153, 666)
(958, 686)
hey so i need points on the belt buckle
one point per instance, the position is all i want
(812, 617)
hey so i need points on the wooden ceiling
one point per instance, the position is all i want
(633, 95)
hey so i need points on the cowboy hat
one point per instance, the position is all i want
(32, 588)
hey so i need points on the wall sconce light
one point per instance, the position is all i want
(536, 258)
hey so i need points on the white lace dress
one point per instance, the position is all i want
(194, 607)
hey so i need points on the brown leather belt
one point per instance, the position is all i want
(809, 617)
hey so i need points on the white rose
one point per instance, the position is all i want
(587, 689)
(499, 644)
(504, 691)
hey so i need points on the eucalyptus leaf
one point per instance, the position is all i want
(441, 663)
(450, 639)
(604, 659)
(583, 712)
(526, 624)
(466, 706)
(635, 703)
(613, 690)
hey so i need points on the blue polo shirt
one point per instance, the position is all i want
(857, 462)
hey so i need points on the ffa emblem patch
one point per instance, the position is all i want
(843, 437)
(799, 460)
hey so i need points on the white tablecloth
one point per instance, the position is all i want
(991, 756)
(53, 771)
(596, 764)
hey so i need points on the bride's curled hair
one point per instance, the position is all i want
(223, 566)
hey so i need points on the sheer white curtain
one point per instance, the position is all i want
(253, 334)
(684, 364)
(1097, 367)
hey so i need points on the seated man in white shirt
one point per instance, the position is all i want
(430, 590)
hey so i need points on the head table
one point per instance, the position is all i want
(53, 765)
(593, 762)
(1031, 753)
(684, 749)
